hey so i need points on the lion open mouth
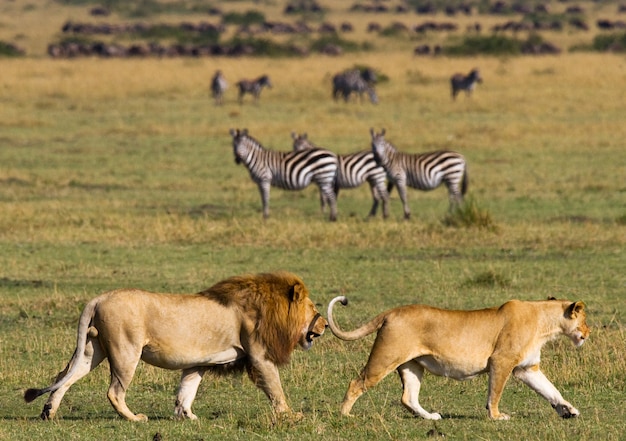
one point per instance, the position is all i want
(312, 333)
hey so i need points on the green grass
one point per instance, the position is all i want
(120, 173)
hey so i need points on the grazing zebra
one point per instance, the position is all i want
(218, 87)
(467, 82)
(293, 170)
(253, 87)
(345, 83)
(353, 170)
(425, 171)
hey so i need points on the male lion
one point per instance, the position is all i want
(464, 344)
(251, 321)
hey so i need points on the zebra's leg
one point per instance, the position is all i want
(376, 196)
(454, 195)
(264, 189)
(405, 204)
(323, 201)
(385, 198)
(329, 192)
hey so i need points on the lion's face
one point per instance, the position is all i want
(314, 325)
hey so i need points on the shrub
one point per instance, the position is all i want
(347, 46)
(247, 18)
(491, 45)
(264, 46)
(615, 42)
(469, 214)
(488, 279)
(10, 50)
(167, 32)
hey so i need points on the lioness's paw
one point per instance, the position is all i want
(432, 416)
(140, 418)
(182, 414)
(566, 411)
(501, 417)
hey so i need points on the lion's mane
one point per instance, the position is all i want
(273, 301)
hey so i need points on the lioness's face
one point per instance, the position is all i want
(579, 331)
(314, 326)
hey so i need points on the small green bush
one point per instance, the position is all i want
(491, 45)
(488, 279)
(264, 47)
(347, 46)
(175, 33)
(10, 50)
(615, 42)
(247, 18)
(469, 214)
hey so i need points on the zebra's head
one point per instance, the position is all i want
(475, 76)
(265, 81)
(239, 137)
(379, 146)
(301, 142)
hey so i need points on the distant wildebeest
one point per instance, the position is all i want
(253, 87)
(347, 82)
(218, 87)
(465, 82)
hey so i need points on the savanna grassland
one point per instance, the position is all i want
(120, 172)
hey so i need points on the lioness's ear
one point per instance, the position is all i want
(574, 309)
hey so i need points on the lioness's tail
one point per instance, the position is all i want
(366, 329)
(84, 330)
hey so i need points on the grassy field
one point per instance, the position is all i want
(119, 173)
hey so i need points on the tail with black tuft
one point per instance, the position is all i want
(32, 394)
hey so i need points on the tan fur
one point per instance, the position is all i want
(463, 344)
(252, 322)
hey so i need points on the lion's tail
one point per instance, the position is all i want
(368, 328)
(84, 330)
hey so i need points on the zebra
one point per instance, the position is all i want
(292, 170)
(425, 171)
(467, 82)
(253, 87)
(345, 83)
(218, 87)
(353, 170)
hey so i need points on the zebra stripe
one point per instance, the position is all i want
(288, 170)
(218, 87)
(353, 170)
(467, 82)
(253, 87)
(345, 83)
(425, 171)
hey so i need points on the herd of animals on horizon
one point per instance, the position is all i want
(346, 83)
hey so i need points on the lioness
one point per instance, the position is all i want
(251, 321)
(464, 344)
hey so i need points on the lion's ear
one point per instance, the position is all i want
(574, 309)
(297, 293)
